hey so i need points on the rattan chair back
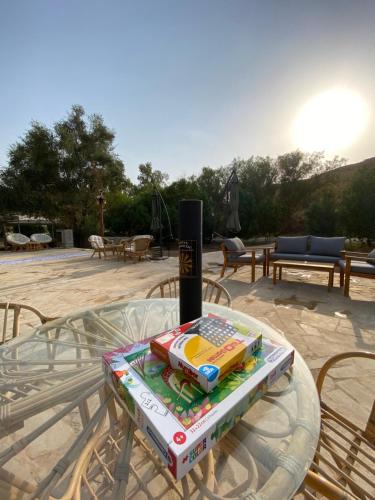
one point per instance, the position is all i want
(212, 291)
(11, 319)
(344, 464)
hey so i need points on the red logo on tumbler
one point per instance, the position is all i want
(179, 437)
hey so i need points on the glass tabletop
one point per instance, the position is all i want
(62, 430)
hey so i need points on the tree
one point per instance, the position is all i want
(292, 194)
(149, 178)
(257, 177)
(58, 173)
(29, 181)
(210, 184)
(322, 217)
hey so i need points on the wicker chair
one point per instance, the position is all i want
(43, 239)
(101, 245)
(137, 247)
(212, 290)
(17, 241)
(15, 328)
(344, 465)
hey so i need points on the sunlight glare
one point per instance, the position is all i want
(330, 121)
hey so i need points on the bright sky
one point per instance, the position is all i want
(184, 83)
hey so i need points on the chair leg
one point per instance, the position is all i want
(264, 262)
(347, 277)
(253, 266)
(341, 278)
(347, 285)
(223, 270)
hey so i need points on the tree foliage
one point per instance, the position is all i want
(149, 179)
(58, 172)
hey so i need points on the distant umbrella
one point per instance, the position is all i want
(155, 213)
(233, 222)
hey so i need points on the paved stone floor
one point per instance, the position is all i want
(319, 324)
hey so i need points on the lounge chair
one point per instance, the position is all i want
(41, 238)
(361, 265)
(237, 255)
(99, 245)
(17, 241)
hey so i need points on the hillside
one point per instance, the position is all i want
(343, 175)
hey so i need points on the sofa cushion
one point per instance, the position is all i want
(371, 257)
(235, 245)
(327, 246)
(359, 267)
(245, 259)
(291, 244)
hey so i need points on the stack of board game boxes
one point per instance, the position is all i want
(187, 387)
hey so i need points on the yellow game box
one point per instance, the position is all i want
(207, 349)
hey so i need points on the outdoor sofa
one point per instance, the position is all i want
(310, 249)
(318, 249)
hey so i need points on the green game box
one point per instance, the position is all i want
(182, 421)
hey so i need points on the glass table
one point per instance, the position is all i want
(64, 435)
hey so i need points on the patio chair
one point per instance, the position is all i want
(344, 465)
(101, 245)
(212, 290)
(16, 309)
(17, 241)
(137, 246)
(43, 239)
(361, 265)
(237, 255)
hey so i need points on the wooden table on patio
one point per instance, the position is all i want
(327, 267)
(62, 432)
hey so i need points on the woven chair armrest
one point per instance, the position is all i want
(324, 486)
(335, 359)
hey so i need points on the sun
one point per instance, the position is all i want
(330, 121)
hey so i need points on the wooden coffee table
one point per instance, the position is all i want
(328, 267)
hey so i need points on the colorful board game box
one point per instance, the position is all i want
(206, 349)
(181, 421)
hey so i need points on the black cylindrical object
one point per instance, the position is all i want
(190, 257)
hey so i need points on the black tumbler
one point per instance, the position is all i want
(190, 258)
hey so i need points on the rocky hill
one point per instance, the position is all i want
(343, 175)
